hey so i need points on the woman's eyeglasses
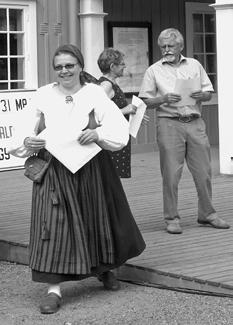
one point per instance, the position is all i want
(122, 64)
(68, 66)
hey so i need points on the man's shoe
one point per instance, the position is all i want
(109, 280)
(173, 226)
(216, 223)
(50, 304)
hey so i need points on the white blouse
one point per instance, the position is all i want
(113, 130)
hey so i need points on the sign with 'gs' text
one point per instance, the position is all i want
(12, 105)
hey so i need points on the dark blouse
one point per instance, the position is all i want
(121, 158)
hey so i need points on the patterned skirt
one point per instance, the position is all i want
(81, 223)
(122, 161)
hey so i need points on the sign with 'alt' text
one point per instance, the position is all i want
(12, 105)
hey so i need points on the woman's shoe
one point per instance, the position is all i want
(50, 304)
(109, 280)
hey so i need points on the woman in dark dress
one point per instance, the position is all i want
(81, 223)
(111, 64)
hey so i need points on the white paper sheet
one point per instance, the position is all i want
(185, 87)
(65, 147)
(135, 120)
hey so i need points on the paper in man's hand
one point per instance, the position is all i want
(184, 88)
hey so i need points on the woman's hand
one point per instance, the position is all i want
(34, 143)
(129, 109)
(88, 136)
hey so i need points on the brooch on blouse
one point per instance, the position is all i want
(69, 99)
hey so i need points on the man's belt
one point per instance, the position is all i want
(184, 119)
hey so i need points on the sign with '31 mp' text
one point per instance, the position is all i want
(13, 104)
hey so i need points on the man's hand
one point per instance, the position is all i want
(88, 136)
(201, 96)
(171, 98)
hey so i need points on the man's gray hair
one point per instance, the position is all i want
(171, 33)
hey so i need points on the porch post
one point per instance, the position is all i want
(73, 26)
(224, 26)
(92, 33)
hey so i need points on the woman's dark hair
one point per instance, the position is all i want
(72, 50)
(107, 57)
(76, 53)
(86, 77)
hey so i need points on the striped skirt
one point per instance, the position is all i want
(81, 223)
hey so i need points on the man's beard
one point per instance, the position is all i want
(170, 57)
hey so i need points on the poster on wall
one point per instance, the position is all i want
(13, 106)
(133, 39)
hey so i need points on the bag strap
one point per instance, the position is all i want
(41, 125)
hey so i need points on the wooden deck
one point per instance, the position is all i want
(200, 259)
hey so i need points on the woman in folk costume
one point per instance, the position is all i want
(81, 223)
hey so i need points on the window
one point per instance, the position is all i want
(18, 59)
(201, 37)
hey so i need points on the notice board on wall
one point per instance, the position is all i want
(133, 39)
